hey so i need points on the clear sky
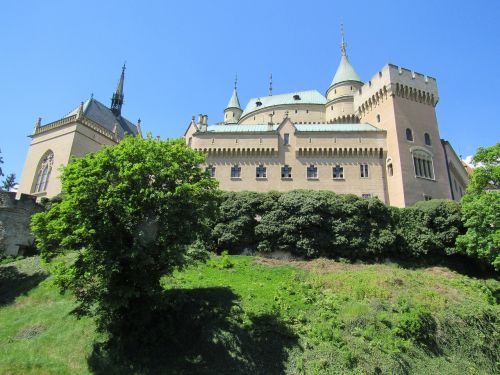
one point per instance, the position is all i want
(182, 57)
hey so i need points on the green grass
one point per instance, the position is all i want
(246, 315)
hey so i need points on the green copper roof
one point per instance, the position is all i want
(254, 128)
(298, 97)
(345, 72)
(234, 101)
(336, 128)
(323, 127)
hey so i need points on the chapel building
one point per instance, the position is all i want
(87, 128)
(374, 139)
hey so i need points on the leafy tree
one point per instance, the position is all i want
(127, 217)
(9, 182)
(481, 208)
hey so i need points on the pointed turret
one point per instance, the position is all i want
(233, 111)
(340, 94)
(117, 99)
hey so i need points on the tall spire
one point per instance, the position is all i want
(234, 102)
(343, 44)
(117, 99)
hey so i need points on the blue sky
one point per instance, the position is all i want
(182, 58)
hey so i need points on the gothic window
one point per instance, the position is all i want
(235, 171)
(338, 172)
(261, 172)
(44, 170)
(427, 139)
(286, 139)
(190, 141)
(422, 162)
(286, 172)
(312, 172)
(363, 169)
(409, 135)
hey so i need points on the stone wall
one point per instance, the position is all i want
(15, 218)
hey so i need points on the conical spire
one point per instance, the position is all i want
(345, 71)
(234, 102)
(117, 99)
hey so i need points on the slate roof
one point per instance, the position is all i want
(98, 112)
(305, 97)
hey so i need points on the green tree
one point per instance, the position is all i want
(129, 213)
(9, 182)
(481, 208)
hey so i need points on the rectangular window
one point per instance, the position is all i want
(427, 197)
(260, 171)
(366, 195)
(338, 172)
(211, 171)
(286, 172)
(235, 171)
(363, 169)
(312, 172)
(286, 139)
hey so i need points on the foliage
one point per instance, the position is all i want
(9, 182)
(481, 209)
(236, 221)
(429, 228)
(129, 211)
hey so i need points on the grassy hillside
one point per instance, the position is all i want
(250, 315)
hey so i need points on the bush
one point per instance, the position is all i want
(429, 228)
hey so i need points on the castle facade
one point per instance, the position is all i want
(374, 139)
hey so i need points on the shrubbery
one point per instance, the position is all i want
(313, 224)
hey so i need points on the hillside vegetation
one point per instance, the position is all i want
(250, 315)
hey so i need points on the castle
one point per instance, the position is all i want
(374, 139)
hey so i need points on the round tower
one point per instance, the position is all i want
(340, 94)
(233, 110)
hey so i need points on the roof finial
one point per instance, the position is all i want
(343, 45)
(236, 81)
(271, 84)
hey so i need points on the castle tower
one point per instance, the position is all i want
(339, 107)
(402, 102)
(233, 110)
(117, 98)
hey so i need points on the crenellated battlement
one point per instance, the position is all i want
(393, 80)
(26, 201)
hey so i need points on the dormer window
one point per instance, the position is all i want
(258, 103)
(296, 97)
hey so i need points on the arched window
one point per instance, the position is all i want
(409, 135)
(427, 139)
(390, 169)
(44, 170)
(422, 162)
